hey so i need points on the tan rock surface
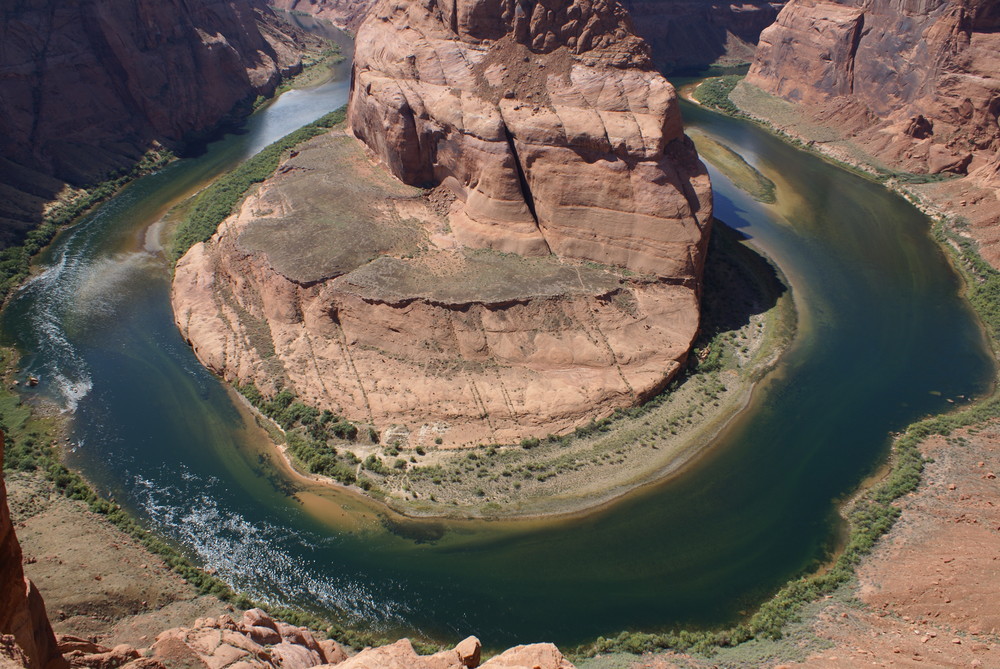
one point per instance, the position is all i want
(915, 86)
(457, 344)
(552, 129)
(550, 138)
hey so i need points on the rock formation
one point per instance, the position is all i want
(550, 276)
(345, 14)
(89, 86)
(915, 85)
(26, 637)
(684, 34)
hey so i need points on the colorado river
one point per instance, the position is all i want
(883, 339)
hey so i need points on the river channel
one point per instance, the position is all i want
(883, 339)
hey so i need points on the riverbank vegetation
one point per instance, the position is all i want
(15, 261)
(210, 207)
(32, 439)
(748, 319)
(872, 513)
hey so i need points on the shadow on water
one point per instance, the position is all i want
(738, 283)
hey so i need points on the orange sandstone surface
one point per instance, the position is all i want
(533, 261)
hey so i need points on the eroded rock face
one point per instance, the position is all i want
(24, 627)
(692, 34)
(549, 277)
(916, 84)
(89, 85)
(548, 123)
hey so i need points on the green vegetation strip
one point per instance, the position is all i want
(715, 92)
(215, 203)
(308, 433)
(743, 175)
(15, 261)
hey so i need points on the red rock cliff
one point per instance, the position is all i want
(22, 611)
(86, 86)
(546, 120)
(692, 34)
(345, 14)
(916, 83)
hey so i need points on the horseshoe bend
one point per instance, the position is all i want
(506, 241)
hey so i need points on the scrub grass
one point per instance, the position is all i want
(215, 203)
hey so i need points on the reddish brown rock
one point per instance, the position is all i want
(551, 128)
(550, 277)
(22, 611)
(535, 656)
(89, 86)
(345, 14)
(431, 340)
(916, 86)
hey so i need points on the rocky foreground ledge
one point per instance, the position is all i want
(257, 641)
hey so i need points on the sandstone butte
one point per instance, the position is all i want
(89, 86)
(549, 276)
(915, 85)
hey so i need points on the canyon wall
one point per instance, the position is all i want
(914, 84)
(26, 638)
(684, 34)
(86, 87)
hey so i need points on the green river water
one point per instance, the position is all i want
(883, 339)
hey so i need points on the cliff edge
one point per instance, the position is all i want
(26, 638)
(537, 264)
(910, 89)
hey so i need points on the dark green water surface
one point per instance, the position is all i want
(883, 339)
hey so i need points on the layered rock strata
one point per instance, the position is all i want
(89, 86)
(551, 128)
(26, 637)
(549, 277)
(915, 85)
(684, 34)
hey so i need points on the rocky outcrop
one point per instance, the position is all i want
(26, 637)
(257, 641)
(353, 291)
(345, 14)
(549, 277)
(551, 127)
(915, 85)
(89, 86)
